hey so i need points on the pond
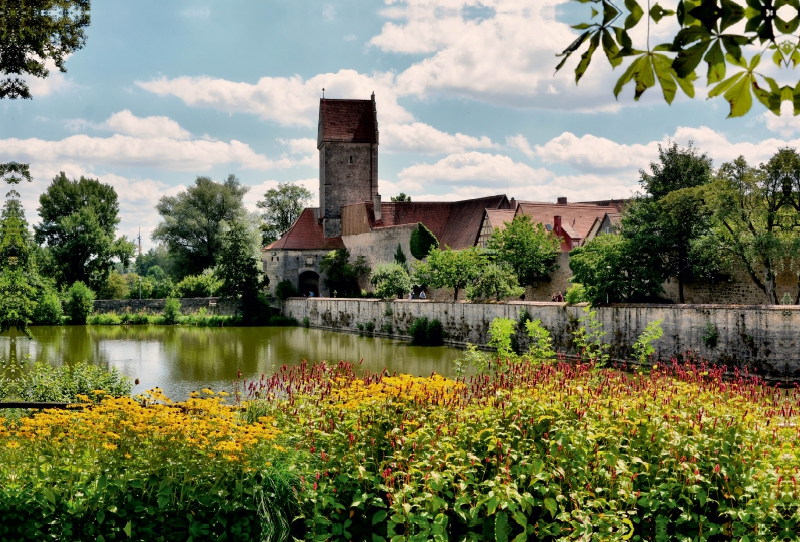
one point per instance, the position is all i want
(182, 359)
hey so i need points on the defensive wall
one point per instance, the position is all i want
(762, 338)
(214, 305)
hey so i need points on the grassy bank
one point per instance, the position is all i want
(199, 319)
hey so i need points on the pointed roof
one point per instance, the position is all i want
(306, 234)
(348, 121)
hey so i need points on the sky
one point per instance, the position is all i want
(468, 102)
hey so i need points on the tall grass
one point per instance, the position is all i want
(198, 319)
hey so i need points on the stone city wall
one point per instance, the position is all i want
(213, 305)
(761, 338)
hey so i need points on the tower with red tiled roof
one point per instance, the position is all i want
(347, 139)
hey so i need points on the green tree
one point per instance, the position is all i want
(528, 248)
(157, 256)
(422, 241)
(342, 275)
(285, 289)
(48, 311)
(401, 197)
(449, 268)
(756, 216)
(391, 280)
(400, 257)
(677, 168)
(203, 285)
(495, 281)
(281, 207)
(19, 282)
(239, 271)
(194, 222)
(80, 303)
(33, 32)
(115, 287)
(612, 270)
(172, 310)
(78, 225)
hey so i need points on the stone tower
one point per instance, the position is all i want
(347, 139)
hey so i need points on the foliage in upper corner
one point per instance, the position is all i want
(722, 35)
(422, 241)
(33, 32)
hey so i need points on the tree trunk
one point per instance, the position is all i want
(455, 295)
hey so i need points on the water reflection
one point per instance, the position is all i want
(182, 359)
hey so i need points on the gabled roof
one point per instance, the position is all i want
(456, 224)
(306, 234)
(575, 216)
(349, 121)
(498, 218)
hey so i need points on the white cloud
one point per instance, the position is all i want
(422, 138)
(289, 101)
(329, 13)
(126, 123)
(304, 145)
(54, 83)
(127, 151)
(520, 142)
(592, 153)
(786, 125)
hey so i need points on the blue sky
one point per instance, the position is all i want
(467, 102)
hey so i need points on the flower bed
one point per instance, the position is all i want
(537, 451)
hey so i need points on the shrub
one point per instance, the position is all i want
(49, 311)
(80, 303)
(387, 328)
(643, 347)
(495, 281)
(426, 332)
(104, 319)
(285, 289)
(541, 345)
(369, 326)
(711, 335)
(576, 294)
(306, 321)
(588, 339)
(391, 280)
(422, 241)
(172, 311)
(501, 330)
(66, 383)
(205, 285)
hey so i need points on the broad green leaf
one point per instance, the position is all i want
(754, 62)
(551, 506)
(688, 35)
(657, 12)
(610, 12)
(736, 61)
(723, 86)
(664, 74)
(786, 27)
(777, 57)
(379, 517)
(583, 26)
(586, 57)
(686, 84)
(595, 13)
(501, 527)
(623, 38)
(128, 529)
(739, 96)
(644, 77)
(611, 49)
(688, 59)
(627, 76)
(635, 15)
(572, 48)
(716, 63)
(731, 14)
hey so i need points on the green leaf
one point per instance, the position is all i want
(636, 14)
(716, 63)
(377, 538)
(501, 527)
(754, 62)
(725, 85)
(664, 74)
(586, 57)
(627, 76)
(731, 14)
(686, 84)
(739, 97)
(49, 495)
(657, 12)
(777, 57)
(644, 77)
(572, 48)
(688, 59)
(583, 26)
(379, 517)
(611, 49)
(551, 506)
(128, 529)
(623, 38)
(610, 12)
(521, 537)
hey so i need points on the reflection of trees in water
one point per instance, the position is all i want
(215, 354)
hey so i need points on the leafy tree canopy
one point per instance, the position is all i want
(342, 275)
(391, 280)
(401, 197)
(422, 241)
(194, 222)
(78, 225)
(34, 31)
(726, 39)
(449, 268)
(495, 281)
(281, 206)
(203, 285)
(611, 270)
(238, 270)
(528, 248)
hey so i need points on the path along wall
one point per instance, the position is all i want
(761, 338)
(213, 305)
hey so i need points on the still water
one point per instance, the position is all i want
(181, 359)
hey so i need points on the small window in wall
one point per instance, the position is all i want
(278, 258)
(351, 159)
(297, 258)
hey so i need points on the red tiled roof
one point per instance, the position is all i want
(578, 216)
(306, 234)
(350, 121)
(464, 223)
(499, 217)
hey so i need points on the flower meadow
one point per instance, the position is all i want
(525, 451)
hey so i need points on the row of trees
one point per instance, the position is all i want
(519, 255)
(692, 223)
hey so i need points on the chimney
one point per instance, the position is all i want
(557, 224)
(376, 206)
(562, 201)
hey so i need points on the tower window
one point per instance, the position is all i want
(351, 159)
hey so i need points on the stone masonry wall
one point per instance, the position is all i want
(761, 338)
(188, 305)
